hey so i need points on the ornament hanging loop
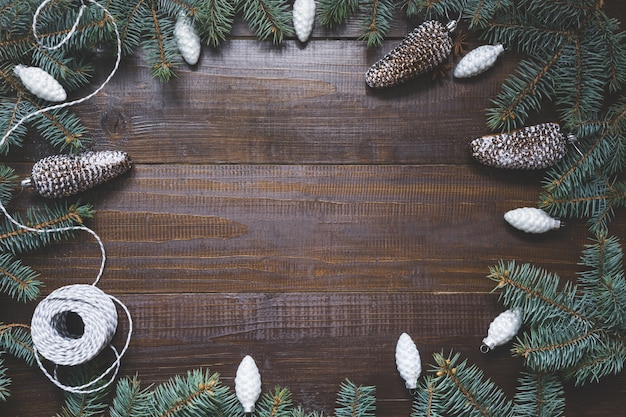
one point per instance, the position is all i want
(84, 4)
(484, 348)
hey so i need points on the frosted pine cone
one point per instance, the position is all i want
(427, 46)
(478, 61)
(408, 361)
(64, 175)
(303, 18)
(531, 220)
(248, 384)
(40, 83)
(502, 329)
(533, 147)
(188, 40)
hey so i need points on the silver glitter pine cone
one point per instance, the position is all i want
(533, 147)
(422, 50)
(59, 176)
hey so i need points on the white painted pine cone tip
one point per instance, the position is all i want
(408, 361)
(40, 83)
(502, 329)
(187, 39)
(478, 61)
(248, 384)
(531, 220)
(303, 18)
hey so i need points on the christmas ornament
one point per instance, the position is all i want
(423, 49)
(478, 60)
(187, 39)
(533, 147)
(303, 18)
(40, 83)
(408, 361)
(502, 329)
(248, 384)
(531, 220)
(64, 175)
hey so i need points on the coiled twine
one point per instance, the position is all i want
(49, 331)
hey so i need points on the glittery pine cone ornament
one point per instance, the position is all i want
(64, 175)
(533, 147)
(422, 50)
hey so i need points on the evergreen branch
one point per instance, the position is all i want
(130, 399)
(215, 20)
(604, 359)
(466, 391)
(556, 346)
(432, 8)
(332, 13)
(197, 394)
(276, 404)
(17, 280)
(15, 339)
(268, 18)
(85, 405)
(428, 400)
(539, 395)
(377, 22)
(8, 182)
(481, 12)
(5, 381)
(355, 401)
(16, 240)
(522, 93)
(536, 293)
(161, 48)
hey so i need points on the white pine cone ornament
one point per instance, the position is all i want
(188, 40)
(502, 329)
(408, 361)
(533, 147)
(303, 18)
(64, 175)
(40, 83)
(478, 61)
(422, 50)
(248, 383)
(531, 220)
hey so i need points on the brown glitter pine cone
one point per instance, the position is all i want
(422, 50)
(64, 175)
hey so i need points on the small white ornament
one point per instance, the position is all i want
(478, 61)
(248, 383)
(531, 220)
(408, 361)
(40, 83)
(303, 18)
(502, 329)
(187, 39)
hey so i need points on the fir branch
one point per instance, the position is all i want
(603, 359)
(5, 381)
(85, 405)
(267, 18)
(8, 181)
(428, 400)
(332, 13)
(215, 20)
(538, 295)
(17, 280)
(130, 399)
(481, 12)
(275, 404)
(17, 240)
(432, 8)
(539, 395)
(15, 339)
(466, 391)
(355, 401)
(377, 22)
(197, 394)
(160, 46)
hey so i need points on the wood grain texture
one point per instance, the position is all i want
(279, 208)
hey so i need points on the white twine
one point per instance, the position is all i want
(51, 338)
(63, 41)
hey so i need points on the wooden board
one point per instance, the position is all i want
(279, 208)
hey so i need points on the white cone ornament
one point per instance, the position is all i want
(533, 147)
(502, 329)
(248, 384)
(188, 40)
(478, 61)
(303, 18)
(531, 220)
(40, 83)
(408, 361)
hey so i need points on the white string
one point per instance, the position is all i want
(113, 369)
(81, 100)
